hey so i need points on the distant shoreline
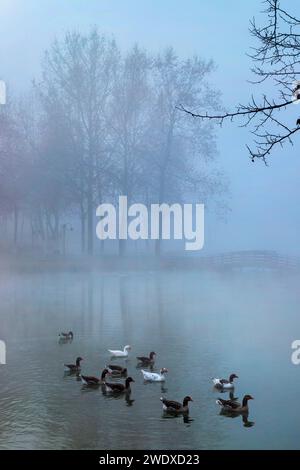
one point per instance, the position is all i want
(223, 262)
(79, 263)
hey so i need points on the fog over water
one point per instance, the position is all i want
(200, 325)
(92, 114)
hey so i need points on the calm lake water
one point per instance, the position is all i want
(201, 325)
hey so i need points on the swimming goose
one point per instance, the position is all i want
(117, 353)
(116, 370)
(225, 384)
(74, 367)
(147, 361)
(68, 335)
(176, 407)
(154, 377)
(235, 406)
(119, 388)
(90, 380)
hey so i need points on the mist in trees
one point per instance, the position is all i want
(99, 123)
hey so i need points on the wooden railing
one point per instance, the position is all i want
(255, 259)
(241, 259)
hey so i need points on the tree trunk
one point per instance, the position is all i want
(32, 231)
(16, 223)
(125, 192)
(90, 223)
(82, 219)
(90, 207)
(158, 243)
(41, 229)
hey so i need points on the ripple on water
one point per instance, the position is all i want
(199, 326)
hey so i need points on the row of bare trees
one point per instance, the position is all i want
(98, 123)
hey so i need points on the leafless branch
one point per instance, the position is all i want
(276, 58)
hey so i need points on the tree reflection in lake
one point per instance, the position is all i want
(200, 324)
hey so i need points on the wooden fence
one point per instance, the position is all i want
(256, 259)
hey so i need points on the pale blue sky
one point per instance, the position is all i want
(265, 201)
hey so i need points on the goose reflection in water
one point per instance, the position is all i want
(65, 338)
(129, 401)
(118, 396)
(230, 393)
(62, 341)
(163, 387)
(72, 374)
(185, 417)
(243, 416)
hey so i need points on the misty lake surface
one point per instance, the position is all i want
(200, 324)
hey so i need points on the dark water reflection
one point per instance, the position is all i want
(200, 325)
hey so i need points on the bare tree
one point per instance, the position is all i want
(12, 167)
(78, 75)
(181, 148)
(276, 59)
(128, 124)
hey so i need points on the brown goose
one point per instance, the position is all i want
(119, 388)
(234, 406)
(147, 361)
(95, 381)
(68, 335)
(74, 367)
(176, 407)
(116, 370)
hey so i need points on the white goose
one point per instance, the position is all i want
(155, 377)
(118, 353)
(225, 384)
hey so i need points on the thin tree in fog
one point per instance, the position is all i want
(128, 125)
(12, 184)
(78, 73)
(28, 116)
(54, 165)
(181, 149)
(45, 153)
(275, 61)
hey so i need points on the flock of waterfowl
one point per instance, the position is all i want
(111, 371)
